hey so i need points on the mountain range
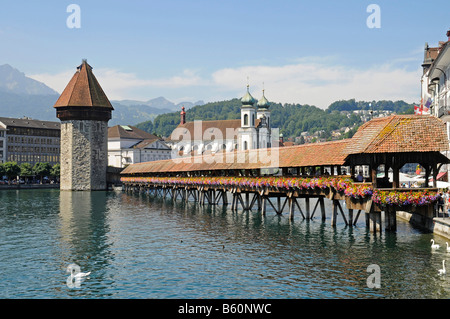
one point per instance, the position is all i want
(23, 96)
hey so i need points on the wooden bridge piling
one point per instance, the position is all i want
(254, 199)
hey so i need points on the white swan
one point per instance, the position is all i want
(433, 245)
(442, 271)
(76, 276)
(448, 248)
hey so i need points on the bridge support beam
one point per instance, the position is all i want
(375, 221)
(337, 206)
(390, 219)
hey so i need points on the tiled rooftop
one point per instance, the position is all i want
(83, 90)
(396, 133)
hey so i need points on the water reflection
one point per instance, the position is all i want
(139, 246)
(84, 234)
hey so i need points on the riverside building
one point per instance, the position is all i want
(435, 84)
(129, 145)
(251, 131)
(31, 141)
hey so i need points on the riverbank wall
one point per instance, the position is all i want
(435, 225)
(29, 186)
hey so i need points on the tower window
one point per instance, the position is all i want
(253, 119)
(245, 119)
(245, 145)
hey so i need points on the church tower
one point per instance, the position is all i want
(263, 129)
(84, 111)
(247, 131)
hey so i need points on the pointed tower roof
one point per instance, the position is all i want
(83, 90)
(263, 103)
(248, 99)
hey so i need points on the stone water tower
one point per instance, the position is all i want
(84, 111)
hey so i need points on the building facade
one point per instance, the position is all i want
(84, 111)
(255, 131)
(129, 145)
(2, 143)
(435, 86)
(435, 82)
(29, 141)
(251, 131)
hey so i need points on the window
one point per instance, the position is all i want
(253, 119)
(245, 145)
(246, 119)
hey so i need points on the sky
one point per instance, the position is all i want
(306, 52)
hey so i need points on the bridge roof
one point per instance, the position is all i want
(393, 134)
(400, 134)
(331, 153)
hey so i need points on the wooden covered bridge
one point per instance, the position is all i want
(286, 176)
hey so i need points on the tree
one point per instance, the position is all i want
(56, 171)
(12, 170)
(2, 170)
(26, 170)
(42, 169)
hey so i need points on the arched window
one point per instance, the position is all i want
(253, 119)
(245, 119)
(245, 145)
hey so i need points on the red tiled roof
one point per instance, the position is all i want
(327, 153)
(118, 131)
(399, 134)
(293, 156)
(83, 90)
(217, 128)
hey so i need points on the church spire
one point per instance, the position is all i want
(263, 103)
(247, 99)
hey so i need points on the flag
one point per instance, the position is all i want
(417, 110)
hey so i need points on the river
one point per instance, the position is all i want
(138, 246)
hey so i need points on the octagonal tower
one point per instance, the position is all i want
(84, 111)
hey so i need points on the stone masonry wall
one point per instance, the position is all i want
(84, 151)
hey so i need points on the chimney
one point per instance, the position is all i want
(281, 140)
(183, 116)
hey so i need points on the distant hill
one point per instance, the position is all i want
(14, 81)
(131, 112)
(291, 119)
(23, 96)
(352, 105)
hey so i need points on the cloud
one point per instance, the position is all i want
(117, 85)
(321, 84)
(318, 83)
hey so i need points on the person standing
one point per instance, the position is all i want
(447, 202)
